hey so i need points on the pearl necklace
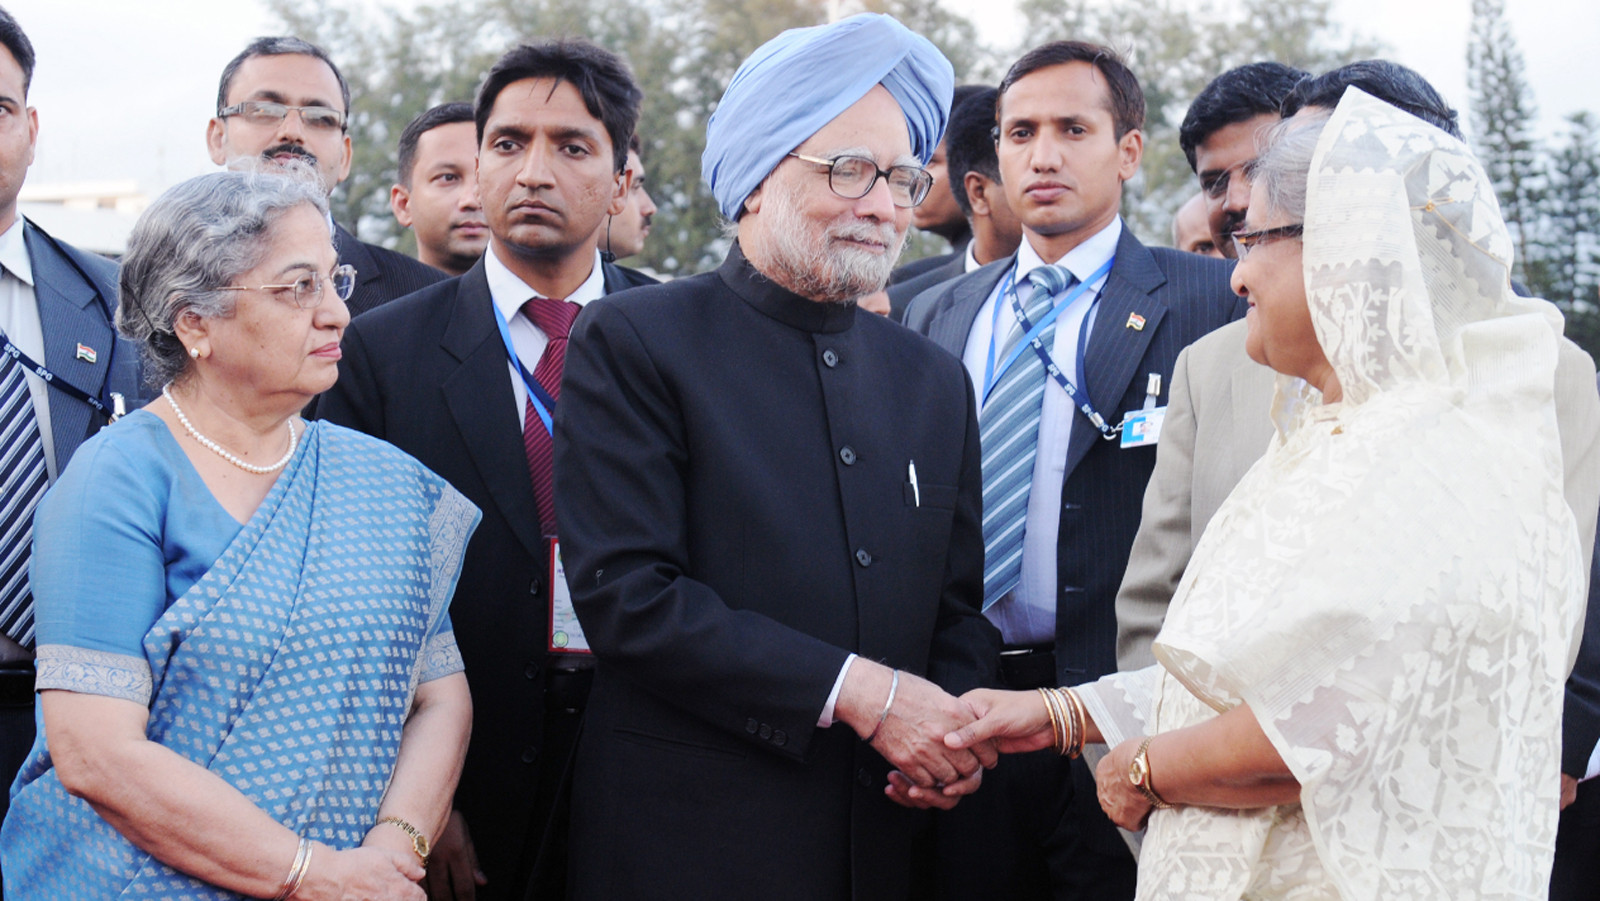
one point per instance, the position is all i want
(218, 449)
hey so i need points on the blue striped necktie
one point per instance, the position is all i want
(23, 480)
(1009, 431)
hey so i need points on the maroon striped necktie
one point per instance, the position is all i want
(554, 318)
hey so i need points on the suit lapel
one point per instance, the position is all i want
(1116, 347)
(68, 316)
(479, 397)
(952, 324)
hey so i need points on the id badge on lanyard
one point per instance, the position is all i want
(566, 633)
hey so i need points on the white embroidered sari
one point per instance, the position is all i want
(1394, 588)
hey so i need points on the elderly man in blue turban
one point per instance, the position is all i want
(770, 511)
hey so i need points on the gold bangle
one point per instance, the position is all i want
(419, 842)
(297, 870)
(1080, 721)
(1057, 726)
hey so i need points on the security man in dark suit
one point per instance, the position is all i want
(465, 376)
(283, 100)
(63, 373)
(1070, 344)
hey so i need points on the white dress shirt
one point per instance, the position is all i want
(969, 260)
(509, 293)
(19, 316)
(1027, 615)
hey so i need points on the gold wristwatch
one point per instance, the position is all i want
(1139, 775)
(419, 842)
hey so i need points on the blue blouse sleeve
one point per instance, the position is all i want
(98, 572)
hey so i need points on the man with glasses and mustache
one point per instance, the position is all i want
(283, 100)
(769, 509)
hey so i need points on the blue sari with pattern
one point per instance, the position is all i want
(288, 669)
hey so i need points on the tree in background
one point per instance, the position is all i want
(1502, 130)
(1550, 199)
(684, 52)
(1572, 216)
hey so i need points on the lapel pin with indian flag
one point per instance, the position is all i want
(1136, 322)
(86, 353)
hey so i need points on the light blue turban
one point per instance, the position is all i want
(802, 79)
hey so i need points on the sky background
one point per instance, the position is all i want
(124, 89)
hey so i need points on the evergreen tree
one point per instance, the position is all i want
(1572, 211)
(1502, 130)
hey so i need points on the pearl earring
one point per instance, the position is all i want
(194, 353)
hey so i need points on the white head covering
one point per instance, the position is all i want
(1394, 588)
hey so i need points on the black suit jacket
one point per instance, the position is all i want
(1181, 296)
(733, 492)
(428, 374)
(1580, 717)
(381, 274)
(902, 293)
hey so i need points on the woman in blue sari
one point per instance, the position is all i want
(248, 681)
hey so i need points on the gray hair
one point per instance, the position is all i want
(1284, 166)
(196, 238)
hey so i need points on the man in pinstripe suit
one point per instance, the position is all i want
(56, 308)
(1100, 337)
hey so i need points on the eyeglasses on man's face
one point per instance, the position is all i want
(853, 177)
(306, 291)
(266, 113)
(1243, 241)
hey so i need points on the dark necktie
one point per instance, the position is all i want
(554, 318)
(1008, 428)
(23, 480)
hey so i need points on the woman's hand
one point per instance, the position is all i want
(1119, 798)
(1013, 720)
(361, 874)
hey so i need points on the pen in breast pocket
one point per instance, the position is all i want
(911, 473)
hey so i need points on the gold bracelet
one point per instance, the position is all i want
(1139, 775)
(419, 842)
(1080, 722)
(1068, 727)
(297, 871)
(1050, 709)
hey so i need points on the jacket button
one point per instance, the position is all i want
(751, 726)
(780, 737)
(765, 732)
(536, 586)
(531, 670)
(530, 754)
(863, 558)
(829, 358)
(864, 777)
(848, 455)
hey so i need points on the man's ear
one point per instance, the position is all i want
(619, 195)
(400, 205)
(978, 187)
(752, 204)
(1130, 150)
(216, 141)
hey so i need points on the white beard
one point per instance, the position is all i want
(811, 265)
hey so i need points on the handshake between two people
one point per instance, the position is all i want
(939, 745)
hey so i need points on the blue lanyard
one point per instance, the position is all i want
(1031, 335)
(543, 403)
(111, 414)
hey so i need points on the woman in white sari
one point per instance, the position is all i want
(1359, 686)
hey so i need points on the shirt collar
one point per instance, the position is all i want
(1082, 261)
(969, 259)
(510, 292)
(14, 253)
